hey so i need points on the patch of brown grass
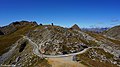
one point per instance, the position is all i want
(10, 39)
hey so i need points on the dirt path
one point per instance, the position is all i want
(64, 62)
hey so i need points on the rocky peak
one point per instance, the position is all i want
(76, 27)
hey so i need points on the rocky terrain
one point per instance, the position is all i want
(55, 40)
(52, 40)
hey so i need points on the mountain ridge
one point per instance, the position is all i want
(56, 40)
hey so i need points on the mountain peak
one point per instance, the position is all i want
(75, 26)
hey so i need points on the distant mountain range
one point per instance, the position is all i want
(97, 30)
(27, 44)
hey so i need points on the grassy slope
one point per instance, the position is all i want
(100, 37)
(8, 40)
(113, 32)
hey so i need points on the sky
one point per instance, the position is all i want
(85, 13)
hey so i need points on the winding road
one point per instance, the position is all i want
(58, 60)
(38, 53)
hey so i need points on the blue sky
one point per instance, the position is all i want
(85, 13)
